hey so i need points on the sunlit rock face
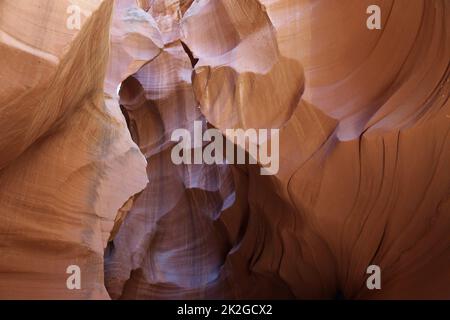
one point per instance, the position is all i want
(65, 147)
(87, 176)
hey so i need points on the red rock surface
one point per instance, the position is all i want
(364, 175)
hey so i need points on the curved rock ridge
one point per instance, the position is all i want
(238, 54)
(364, 139)
(370, 179)
(64, 147)
(135, 40)
(87, 176)
(170, 244)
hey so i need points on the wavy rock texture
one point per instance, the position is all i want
(364, 177)
(344, 196)
(64, 147)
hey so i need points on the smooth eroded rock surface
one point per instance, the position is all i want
(87, 177)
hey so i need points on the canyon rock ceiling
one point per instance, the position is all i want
(86, 174)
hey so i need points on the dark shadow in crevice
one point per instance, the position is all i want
(190, 54)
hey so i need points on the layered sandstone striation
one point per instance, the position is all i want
(87, 179)
(65, 149)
